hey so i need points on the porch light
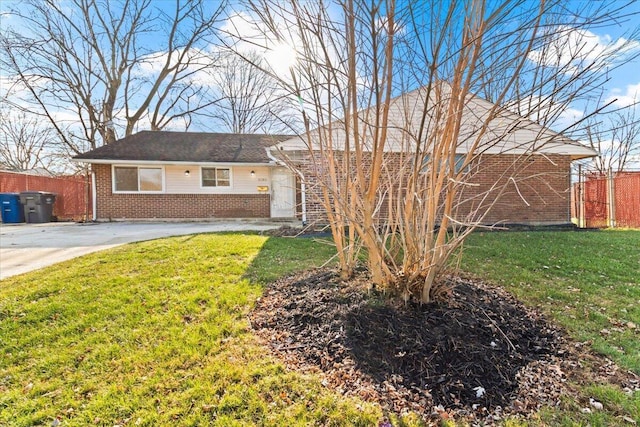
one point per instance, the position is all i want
(253, 174)
(187, 173)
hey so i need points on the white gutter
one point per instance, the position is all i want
(303, 187)
(164, 162)
(94, 196)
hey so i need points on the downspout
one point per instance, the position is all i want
(94, 199)
(303, 186)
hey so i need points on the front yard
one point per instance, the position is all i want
(157, 333)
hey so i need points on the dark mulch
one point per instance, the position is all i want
(480, 355)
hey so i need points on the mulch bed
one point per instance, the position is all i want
(478, 356)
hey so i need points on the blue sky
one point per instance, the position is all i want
(624, 81)
(622, 84)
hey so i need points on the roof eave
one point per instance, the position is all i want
(166, 162)
(581, 156)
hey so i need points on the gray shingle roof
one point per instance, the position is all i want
(186, 147)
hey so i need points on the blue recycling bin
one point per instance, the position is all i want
(12, 211)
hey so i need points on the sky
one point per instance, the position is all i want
(624, 84)
(621, 87)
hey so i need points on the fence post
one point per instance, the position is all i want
(580, 197)
(611, 199)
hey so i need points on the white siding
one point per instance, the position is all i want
(241, 180)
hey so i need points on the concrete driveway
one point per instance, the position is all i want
(27, 247)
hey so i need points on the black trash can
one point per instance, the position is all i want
(12, 212)
(38, 206)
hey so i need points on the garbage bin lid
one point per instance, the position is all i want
(37, 193)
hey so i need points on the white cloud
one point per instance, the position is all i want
(280, 45)
(250, 36)
(281, 58)
(12, 87)
(567, 118)
(195, 60)
(573, 49)
(244, 32)
(633, 163)
(626, 99)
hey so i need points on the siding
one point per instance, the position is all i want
(179, 202)
(241, 180)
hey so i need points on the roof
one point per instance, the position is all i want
(188, 147)
(506, 133)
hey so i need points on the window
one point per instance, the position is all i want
(137, 179)
(150, 179)
(459, 162)
(216, 177)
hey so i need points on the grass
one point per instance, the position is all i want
(589, 283)
(156, 333)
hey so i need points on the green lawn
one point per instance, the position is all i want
(588, 282)
(156, 333)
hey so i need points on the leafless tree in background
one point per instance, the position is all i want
(25, 144)
(250, 100)
(616, 138)
(91, 67)
(390, 172)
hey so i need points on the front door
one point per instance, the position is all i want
(283, 193)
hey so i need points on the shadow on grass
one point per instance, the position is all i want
(282, 256)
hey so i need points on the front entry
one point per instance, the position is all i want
(283, 193)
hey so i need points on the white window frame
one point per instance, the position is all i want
(138, 167)
(216, 187)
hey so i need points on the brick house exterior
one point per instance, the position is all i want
(540, 196)
(112, 206)
(195, 176)
(522, 175)
(520, 172)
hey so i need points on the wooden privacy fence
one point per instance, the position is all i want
(73, 193)
(607, 200)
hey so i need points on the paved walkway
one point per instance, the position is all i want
(28, 247)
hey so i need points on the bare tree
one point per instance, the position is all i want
(397, 173)
(616, 137)
(26, 144)
(250, 100)
(91, 67)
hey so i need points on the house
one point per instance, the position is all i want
(522, 170)
(195, 176)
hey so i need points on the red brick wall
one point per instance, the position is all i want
(526, 190)
(174, 206)
(511, 189)
(508, 189)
